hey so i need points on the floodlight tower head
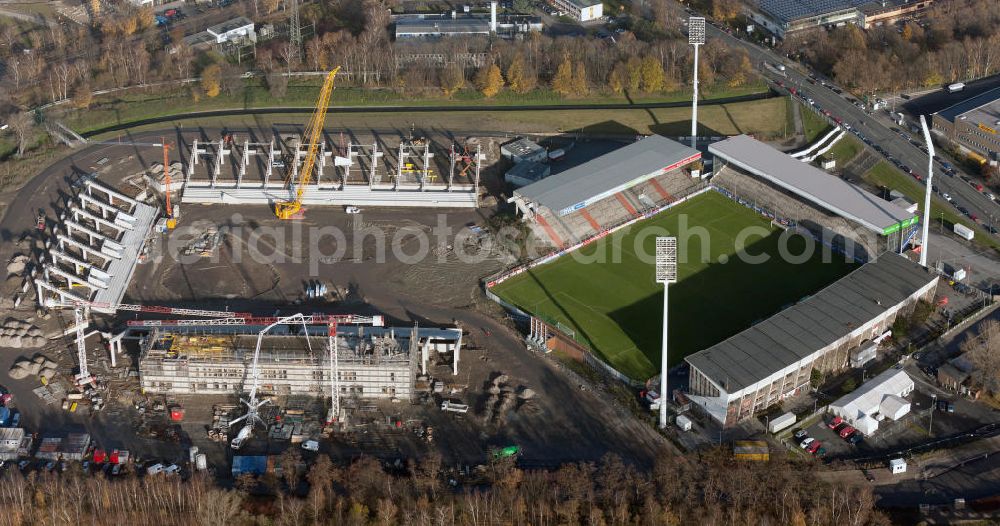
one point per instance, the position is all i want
(666, 260)
(696, 30)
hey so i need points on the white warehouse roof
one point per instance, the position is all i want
(878, 395)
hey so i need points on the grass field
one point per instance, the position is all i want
(616, 308)
(814, 125)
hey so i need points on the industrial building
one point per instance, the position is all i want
(582, 10)
(882, 12)
(773, 360)
(974, 125)
(523, 149)
(877, 399)
(527, 172)
(445, 25)
(782, 17)
(12, 442)
(234, 30)
(371, 362)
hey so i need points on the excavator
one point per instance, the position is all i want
(292, 208)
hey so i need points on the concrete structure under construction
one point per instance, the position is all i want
(94, 246)
(239, 171)
(371, 362)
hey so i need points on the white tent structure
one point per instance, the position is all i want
(882, 395)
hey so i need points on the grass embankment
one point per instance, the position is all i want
(846, 149)
(813, 125)
(615, 306)
(884, 174)
(762, 117)
(136, 105)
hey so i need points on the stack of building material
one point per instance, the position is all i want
(20, 335)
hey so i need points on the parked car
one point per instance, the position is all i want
(832, 424)
(846, 431)
(855, 438)
(806, 443)
(946, 196)
(814, 446)
(800, 434)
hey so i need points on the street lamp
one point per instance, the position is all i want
(930, 424)
(666, 273)
(696, 37)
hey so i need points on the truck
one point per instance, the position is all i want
(683, 423)
(956, 87)
(964, 231)
(454, 407)
(781, 422)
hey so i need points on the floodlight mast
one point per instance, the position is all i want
(696, 37)
(666, 273)
(925, 228)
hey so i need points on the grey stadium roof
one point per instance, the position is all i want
(813, 324)
(607, 174)
(790, 10)
(811, 183)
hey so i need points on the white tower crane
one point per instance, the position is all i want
(252, 415)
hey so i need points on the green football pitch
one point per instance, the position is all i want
(606, 292)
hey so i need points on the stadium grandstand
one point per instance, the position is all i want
(773, 360)
(842, 214)
(586, 200)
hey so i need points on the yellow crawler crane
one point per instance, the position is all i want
(314, 134)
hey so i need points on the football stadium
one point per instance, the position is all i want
(764, 233)
(606, 294)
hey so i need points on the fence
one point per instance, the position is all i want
(787, 223)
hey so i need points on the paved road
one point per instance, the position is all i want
(878, 130)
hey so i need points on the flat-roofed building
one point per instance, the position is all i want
(773, 360)
(582, 10)
(231, 30)
(973, 124)
(788, 16)
(878, 13)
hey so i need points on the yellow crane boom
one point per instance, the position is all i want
(314, 134)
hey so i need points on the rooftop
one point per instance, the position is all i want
(604, 176)
(791, 10)
(441, 26)
(813, 324)
(230, 25)
(583, 4)
(868, 398)
(983, 108)
(809, 182)
(529, 170)
(522, 147)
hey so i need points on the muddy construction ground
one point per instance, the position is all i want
(421, 266)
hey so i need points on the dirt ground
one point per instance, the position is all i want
(264, 266)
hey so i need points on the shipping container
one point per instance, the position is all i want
(782, 422)
(964, 231)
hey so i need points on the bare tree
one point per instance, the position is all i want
(21, 123)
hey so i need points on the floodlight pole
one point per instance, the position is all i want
(666, 273)
(925, 232)
(696, 37)
(664, 368)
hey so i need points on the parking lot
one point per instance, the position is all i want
(914, 428)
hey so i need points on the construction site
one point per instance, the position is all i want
(142, 323)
